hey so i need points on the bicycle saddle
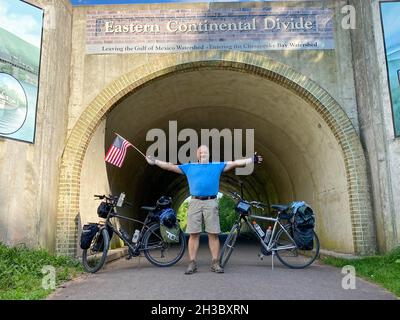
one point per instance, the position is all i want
(279, 207)
(151, 209)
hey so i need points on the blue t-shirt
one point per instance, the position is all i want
(203, 178)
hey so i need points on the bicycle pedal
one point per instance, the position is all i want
(128, 257)
(261, 256)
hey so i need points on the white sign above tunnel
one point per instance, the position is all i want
(180, 30)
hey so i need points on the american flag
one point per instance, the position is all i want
(116, 153)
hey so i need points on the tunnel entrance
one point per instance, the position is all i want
(310, 148)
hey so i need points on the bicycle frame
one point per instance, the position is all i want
(277, 224)
(132, 246)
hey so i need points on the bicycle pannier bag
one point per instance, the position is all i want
(170, 235)
(100, 243)
(303, 227)
(169, 228)
(88, 233)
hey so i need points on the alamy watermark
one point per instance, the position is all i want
(349, 280)
(237, 144)
(49, 278)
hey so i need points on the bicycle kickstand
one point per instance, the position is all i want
(272, 260)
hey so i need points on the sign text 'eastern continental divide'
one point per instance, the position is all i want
(180, 30)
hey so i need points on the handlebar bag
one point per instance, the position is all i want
(103, 209)
(243, 208)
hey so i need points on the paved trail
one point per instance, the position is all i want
(246, 278)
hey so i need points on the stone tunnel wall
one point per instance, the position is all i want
(29, 172)
(331, 69)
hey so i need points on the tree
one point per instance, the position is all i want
(227, 214)
(182, 215)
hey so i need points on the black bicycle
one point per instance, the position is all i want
(281, 241)
(148, 240)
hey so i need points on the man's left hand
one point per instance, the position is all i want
(257, 158)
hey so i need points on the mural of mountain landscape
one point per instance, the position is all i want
(391, 26)
(394, 75)
(19, 75)
(16, 53)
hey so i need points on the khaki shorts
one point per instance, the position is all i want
(203, 210)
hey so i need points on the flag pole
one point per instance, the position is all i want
(132, 145)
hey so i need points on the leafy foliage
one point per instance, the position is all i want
(182, 215)
(227, 215)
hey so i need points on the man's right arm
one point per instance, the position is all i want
(164, 165)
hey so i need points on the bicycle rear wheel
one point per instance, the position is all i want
(95, 257)
(228, 246)
(295, 258)
(159, 252)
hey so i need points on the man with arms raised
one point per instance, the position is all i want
(203, 178)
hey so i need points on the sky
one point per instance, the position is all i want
(11, 84)
(13, 12)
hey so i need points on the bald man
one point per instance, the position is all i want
(203, 179)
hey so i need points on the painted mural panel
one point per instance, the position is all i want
(391, 26)
(20, 47)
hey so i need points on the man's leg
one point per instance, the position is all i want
(193, 245)
(213, 243)
(194, 229)
(194, 240)
(213, 228)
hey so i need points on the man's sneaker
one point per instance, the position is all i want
(192, 267)
(215, 267)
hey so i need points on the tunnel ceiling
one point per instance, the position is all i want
(300, 152)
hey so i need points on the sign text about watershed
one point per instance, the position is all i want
(179, 30)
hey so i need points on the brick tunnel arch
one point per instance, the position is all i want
(320, 100)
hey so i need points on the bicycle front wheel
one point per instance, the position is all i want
(228, 246)
(159, 252)
(95, 257)
(294, 258)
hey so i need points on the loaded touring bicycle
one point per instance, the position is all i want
(160, 239)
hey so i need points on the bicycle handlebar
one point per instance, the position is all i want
(235, 195)
(255, 204)
(129, 204)
(258, 205)
(112, 198)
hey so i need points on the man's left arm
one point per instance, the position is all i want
(230, 165)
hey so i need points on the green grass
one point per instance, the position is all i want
(21, 272)
(383, 270)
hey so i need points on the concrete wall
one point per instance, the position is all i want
(70, 80)
(94, 178)
(29, 173)
(375, 114)
(300, 151)
(330, 69)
